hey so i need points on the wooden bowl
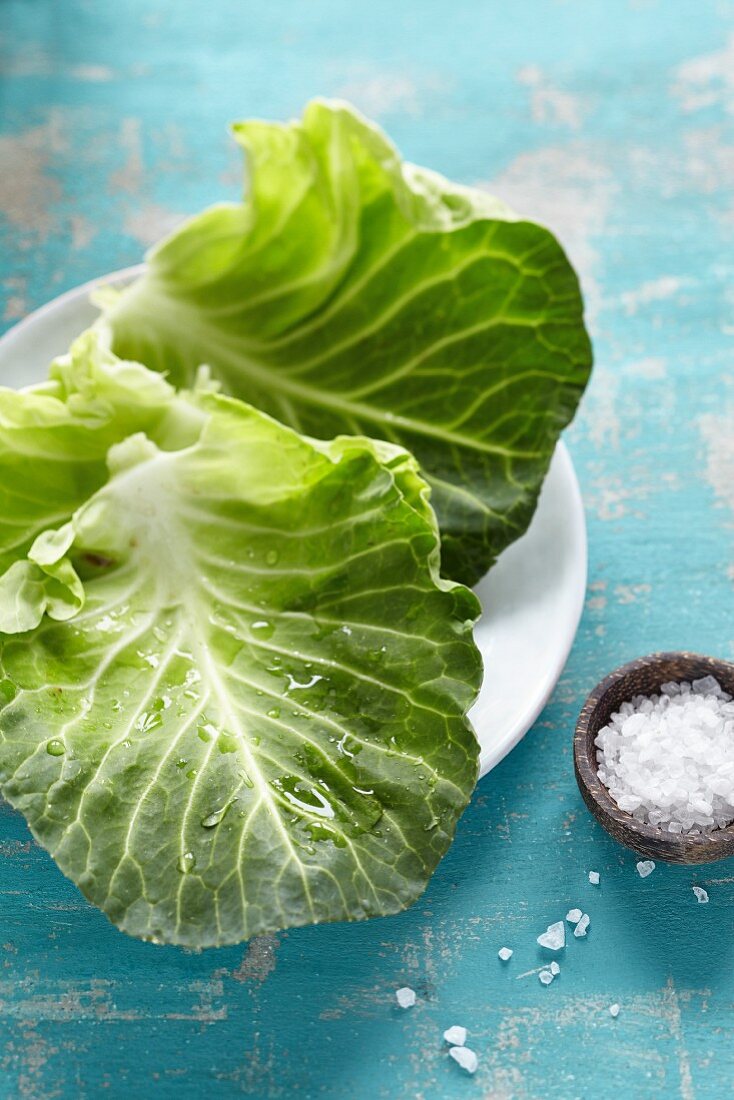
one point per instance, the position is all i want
(645, 677)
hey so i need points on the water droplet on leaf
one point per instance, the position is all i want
(186, 863)
(215, 817)
(149, 721)
(206, 732)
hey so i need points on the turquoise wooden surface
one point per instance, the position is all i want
(614, 123)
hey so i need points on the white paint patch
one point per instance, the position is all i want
(33, 61)
(92, 74)
(708, 161)
(718, 434)
(149, 222)
(631, 593)
(650, 368)
(15, 308)
(706, 80)
(27, 190)
(129, 177)
(259, 960)
(613, 499)
(82, 232)
(549, 104)
(570, 190)
(25, 61)
(671, 1005)
(378, 93)
(16, 305)
(656, 290)
(602, 410)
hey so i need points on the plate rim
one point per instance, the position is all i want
(44, 311)
(490, 758)
(528, 717)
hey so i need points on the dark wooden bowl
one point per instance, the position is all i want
(645, 677)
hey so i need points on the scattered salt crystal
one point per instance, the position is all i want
(573, 916)
(545, 977)
(594, 878)
(505, 953)
(583, 924)
(455, 1036)
(405, 997)
(668, 759)
(554, 937)
(554, 968)
(645, 867)
(614, 1010)
(700, 894)
(466, 1058)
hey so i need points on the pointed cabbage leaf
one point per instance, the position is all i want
(352, 292)
(258, 717)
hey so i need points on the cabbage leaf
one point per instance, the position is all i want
(353, 292)
(256, 716)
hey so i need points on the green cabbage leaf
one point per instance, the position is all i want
(351, 292)
(239, 701)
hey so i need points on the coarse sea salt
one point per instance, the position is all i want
(594, 878)
(405, 996)
(554, 937)
(614, 1010)
(701, 894)
(545, 977)
(455, 1036)
(466, 1058)
(582, 925)
(505, 953)
(573, 916)
(668, 759)
(554, 968)
(645, 867)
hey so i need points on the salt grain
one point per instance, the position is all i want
(583, 924)
(554, 937)
(700, 894)
(554, 968)
(545, 977)
(594, 878)
(614, 1010)
(645, 867)
(573, 916)
(405, 997)
(668, 759)
(455, 1036)
(466, 1058)
(505, 953)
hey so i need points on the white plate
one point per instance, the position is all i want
(532, 599)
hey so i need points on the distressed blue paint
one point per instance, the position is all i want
(639, 181)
